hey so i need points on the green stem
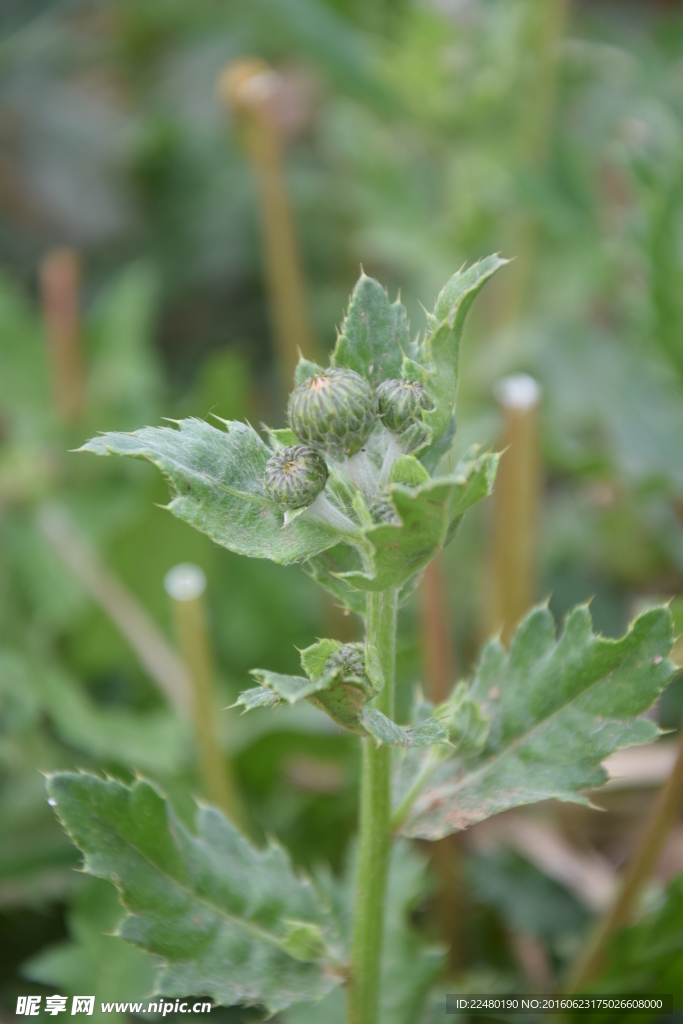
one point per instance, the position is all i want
(374, 844)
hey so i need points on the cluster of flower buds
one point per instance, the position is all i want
(333, 413)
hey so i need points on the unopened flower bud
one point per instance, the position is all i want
(334, 410)
(382, 511)
(295, 476)
(349, 660)
(400, 404)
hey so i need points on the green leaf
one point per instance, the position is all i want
(347, 704)
(154, 741)
(217, 478)
(430, 515)
(381, 728)
(216, 910)
(101, 964)
(291, 688)
(328, 569)
(374, 334)
(281, 437)
(314, 658)
(647, 957)
(432, 456)
(557, 709)
(441, 349)
(258, 697)
(409, 471)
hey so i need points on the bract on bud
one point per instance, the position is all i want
(334, 410)
(295, 476)
(400, 404)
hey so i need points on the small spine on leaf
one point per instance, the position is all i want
(334, 410)
(295, 476)
(401, 403)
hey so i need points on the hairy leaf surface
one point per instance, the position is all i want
(441, 350)
(374, 334)
(557, 709)
(217, 479)
(220, 913)
(430, 515)
(345, 703)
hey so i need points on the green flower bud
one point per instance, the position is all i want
(295, 476)
(303, 940)
(345, 699)
(382, 511)
(400, 402)
(334, 410)
(349, 660)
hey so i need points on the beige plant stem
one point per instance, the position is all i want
(151, 646)
(663, 817)
(185, 585)
(249, 88)
(60, 274)
(516, 501)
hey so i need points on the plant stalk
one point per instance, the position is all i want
(663, 817)
(185, 585)
(250, 88)
(374, 843)
(516, 507)
(60, 274)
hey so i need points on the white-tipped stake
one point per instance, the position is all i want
(516, 499)
(185, 584)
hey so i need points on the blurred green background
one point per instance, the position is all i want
(421, 134)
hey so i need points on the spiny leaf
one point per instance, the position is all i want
(557, 709)
(217, 479)
(217, 911)
(257, 697)
(374, 334)
(384, 731)
(291, 688)
(314, 658)
(347, 704)
(430, 515)
(440, 353)
(95, 960)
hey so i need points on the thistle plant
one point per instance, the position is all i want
(354, 490)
